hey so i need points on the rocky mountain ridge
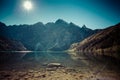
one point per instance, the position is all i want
(51, 36)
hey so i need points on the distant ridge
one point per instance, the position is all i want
(57, 35)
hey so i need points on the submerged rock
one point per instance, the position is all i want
(52, 65)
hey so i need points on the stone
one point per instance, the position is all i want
(57, 65)
(43, 76)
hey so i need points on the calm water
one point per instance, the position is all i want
(20, 60)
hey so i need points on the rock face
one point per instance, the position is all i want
(11, 45)
(106, 42)
(51, 65)
(51, 36)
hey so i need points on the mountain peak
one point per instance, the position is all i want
(71, 23)
(84, 26)
(39, 23)
(61, 21)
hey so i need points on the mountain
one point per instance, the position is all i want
(105, 42)
(57, 35)
(11, 45)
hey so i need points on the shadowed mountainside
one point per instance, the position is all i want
(105, 42)
(51, 36)
(11, 45)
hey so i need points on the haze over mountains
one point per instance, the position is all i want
(51, 36)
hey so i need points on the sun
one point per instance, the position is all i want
(28, 5)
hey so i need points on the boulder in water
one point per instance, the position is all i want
(51, 65)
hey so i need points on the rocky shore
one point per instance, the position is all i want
(58, 73)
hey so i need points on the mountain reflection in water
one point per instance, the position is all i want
(36, 59)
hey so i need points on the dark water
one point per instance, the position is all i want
(37, 59)
(42, 58)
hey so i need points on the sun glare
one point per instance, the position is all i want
(28, 5)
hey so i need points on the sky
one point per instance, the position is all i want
(95, 14)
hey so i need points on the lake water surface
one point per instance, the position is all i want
(37, 59)
(33, 65)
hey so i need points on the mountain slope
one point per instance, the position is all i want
(51, 36)
(106, 42)
(11, 45)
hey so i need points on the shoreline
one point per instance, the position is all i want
(58, 74)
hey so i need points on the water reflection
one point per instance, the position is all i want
(38, 58)
(50, 57)
(42, 57)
